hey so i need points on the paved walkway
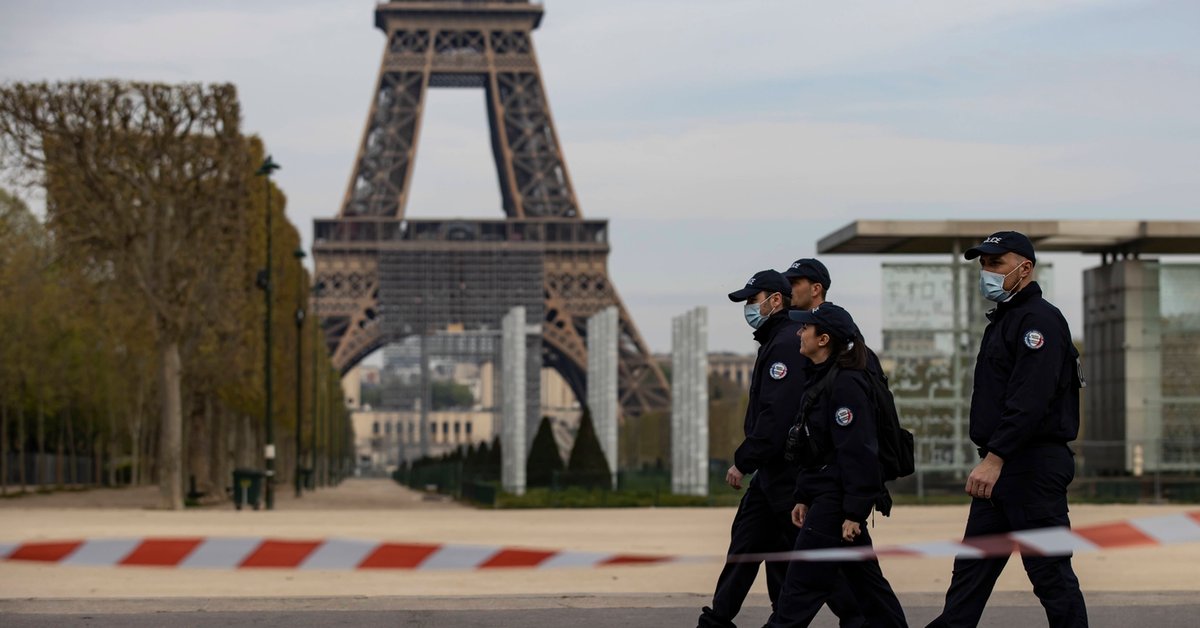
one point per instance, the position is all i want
(351, 494)
(381, 510)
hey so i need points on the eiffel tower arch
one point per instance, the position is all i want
(381, 276)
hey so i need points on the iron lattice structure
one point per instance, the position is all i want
(381, 277)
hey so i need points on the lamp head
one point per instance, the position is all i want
(268, 166)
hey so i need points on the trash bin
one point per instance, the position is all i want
(306, 479)
(247, 487)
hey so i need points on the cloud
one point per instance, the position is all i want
(702, 42)
(794, 168)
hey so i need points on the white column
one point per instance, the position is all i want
(602, 337)
(512, 419)
(689, 403)
(699, 357)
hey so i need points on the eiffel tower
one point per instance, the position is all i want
(381, 277)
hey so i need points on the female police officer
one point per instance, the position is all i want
(840, 477)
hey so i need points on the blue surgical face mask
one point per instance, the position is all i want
(754, 315)
(991, 285)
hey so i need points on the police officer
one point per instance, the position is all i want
(840, 478)
(809, 280)
(1024, 411)
(762, 523)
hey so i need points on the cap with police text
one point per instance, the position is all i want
(768, 281)
(810, 269)
(1002, 242)
(831, 318)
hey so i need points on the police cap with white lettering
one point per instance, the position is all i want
(1002, 242)
(810, 269)
(769, 281)
(832, 319)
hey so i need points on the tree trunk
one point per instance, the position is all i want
(111, 451)
(170, 449)
(59, 475)
(40, 454)
(3, 449)
(96, 442)
(135, 451)
(221, 452)
(22, 445)
(199, 442)
(72, 453)
(135, 435)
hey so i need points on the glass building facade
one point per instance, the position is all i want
(932, 326)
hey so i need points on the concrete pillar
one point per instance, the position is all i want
(689, 403)
(512, 420)
(602, 338)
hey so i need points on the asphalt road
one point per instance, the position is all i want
(1105, 610)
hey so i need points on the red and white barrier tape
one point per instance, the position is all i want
(331, 554)
(348, 554)
(1059, 541)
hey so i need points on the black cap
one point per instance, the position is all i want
(831, 318)
(1002, 242)
(810, 269)
(763, 281)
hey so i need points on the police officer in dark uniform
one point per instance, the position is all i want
(762, 523)
(810, 283)
(840, 478)
(1024, 411)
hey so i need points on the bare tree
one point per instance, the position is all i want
(145, 181)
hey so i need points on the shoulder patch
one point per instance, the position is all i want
(843, 416)
(1034, 339)
(778, 370)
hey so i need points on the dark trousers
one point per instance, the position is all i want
(808, 585)
(1033, 494)
(758, 528)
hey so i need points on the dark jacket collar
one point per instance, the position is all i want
(814, 372)
(1028, 292)
(764, 334)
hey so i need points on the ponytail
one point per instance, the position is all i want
(849, 354)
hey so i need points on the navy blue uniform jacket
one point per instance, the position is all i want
(1026, 378)
(776, 387)
(842, 423)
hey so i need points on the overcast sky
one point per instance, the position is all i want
(718, 137)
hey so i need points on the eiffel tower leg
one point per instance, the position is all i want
(383, 169)
(578, 286)
(347, 302)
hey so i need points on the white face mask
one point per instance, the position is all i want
(991, 285)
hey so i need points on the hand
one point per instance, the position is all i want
(850, 529)
(984, 476)
(798, 514)
(733, 477)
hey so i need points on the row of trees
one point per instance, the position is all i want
(585, 466)
(133, 330)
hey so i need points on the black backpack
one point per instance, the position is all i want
(896, 452)
(896, 457)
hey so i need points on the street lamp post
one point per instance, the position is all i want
(319, 461)
(299, 255)
(264, 281)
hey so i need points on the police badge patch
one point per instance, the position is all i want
(843, 416)
(1034, 339)
(778, 370)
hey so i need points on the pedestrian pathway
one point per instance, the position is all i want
(362, 494)
(351, 494)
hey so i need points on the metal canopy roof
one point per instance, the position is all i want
(1085, 236)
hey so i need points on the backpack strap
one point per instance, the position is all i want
(814, 393)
